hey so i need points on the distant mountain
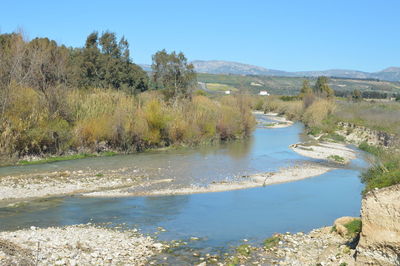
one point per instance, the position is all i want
(390, 74)
(227, 67)
(343, 73)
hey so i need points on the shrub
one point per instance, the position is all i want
(353, 227)
(317, 112)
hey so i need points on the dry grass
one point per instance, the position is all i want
(380, 116)
(317, 112)
(119, 121)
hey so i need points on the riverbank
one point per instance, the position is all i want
(288, 174)
(76, 245)
(331, 151)
(281, 121)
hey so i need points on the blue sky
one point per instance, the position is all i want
(287, 35)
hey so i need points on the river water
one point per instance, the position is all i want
(219, 219)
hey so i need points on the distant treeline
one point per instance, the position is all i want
(366, 79)
(368, 94)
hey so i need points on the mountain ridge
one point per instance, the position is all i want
(229, 67)
(236, 68)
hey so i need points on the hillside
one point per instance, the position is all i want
(291, 85)
(227, 67)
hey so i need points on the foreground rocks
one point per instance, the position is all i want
(76, 245)
(319, 247)
(380, 236)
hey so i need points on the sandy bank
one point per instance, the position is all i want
(331, 151)
(280, 121)
(75, 245)
(284, 175)
(67, 182)
(121, 183)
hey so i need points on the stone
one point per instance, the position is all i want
(158, 246)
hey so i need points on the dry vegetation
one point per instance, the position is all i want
(56, 100)
(97, 118)
(375, 115)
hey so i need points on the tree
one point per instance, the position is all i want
(305, 89)
(174, 73)
(322, 88)
(357, 96)
(105, 63)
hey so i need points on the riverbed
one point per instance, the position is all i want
(212, 221)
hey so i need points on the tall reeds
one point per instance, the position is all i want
(112, 119)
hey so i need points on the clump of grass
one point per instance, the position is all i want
(57, 159)
(335, 137)
(99, 175)
(233, 261)
(271, 242)
(244, 250)
(336, 158)
(67, 158)
(370, 148)
(269, 124)
(383, 174)
(353, 227)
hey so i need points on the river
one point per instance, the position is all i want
(219, 219)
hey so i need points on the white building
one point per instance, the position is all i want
(264, 93)
(227, 92)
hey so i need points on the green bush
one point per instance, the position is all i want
(353, 227)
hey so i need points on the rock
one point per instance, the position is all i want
(158, 246)
(380, 236)
(60, 262)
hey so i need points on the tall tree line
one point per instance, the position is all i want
(49, 68)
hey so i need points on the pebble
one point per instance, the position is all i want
(83, 245)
